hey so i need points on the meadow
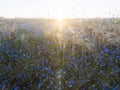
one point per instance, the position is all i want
(49, 54)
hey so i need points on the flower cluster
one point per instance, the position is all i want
(36, 62)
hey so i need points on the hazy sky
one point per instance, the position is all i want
(59, 8)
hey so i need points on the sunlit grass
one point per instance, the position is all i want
(65, 55)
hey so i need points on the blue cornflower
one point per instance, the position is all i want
(16, 88)
(59, 71)
(1, 85)
(24, 88)
(115, 88)
(39, 68)
(106, 50)
(24, 55)
(117, 49)
(83, 88)
(42, 75)
(115, 74)
(118, 57)
(115, 68)
(1, 49)
(48, 87)
(20, 83)
(47, 69)
(5, 81)
(1, 59)
(102, 71)
(30, 84)
(95, 89)
(26, 75)
(82, 81)
(71, 83)
(40, 84)
(88, 64)
(103, 64)
(73, 58)
(107, 88)
(33, 56)
(102, 85)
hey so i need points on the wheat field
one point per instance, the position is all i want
(46, 54)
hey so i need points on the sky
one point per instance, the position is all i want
(59, 8)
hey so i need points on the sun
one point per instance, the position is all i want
(60, 19)
(60, 23)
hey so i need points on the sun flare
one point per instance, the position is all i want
(60, 21)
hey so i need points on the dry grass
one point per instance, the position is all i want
(90, 33)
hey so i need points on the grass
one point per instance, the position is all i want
(83, 54)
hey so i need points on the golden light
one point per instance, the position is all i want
(60, 21)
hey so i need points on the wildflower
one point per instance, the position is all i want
(1, 60)
(95, 89)
(42, 75)
(25, 75)
(107, 88)
(88, 64)
(115, 68)
(19, 83)
(47, 69)
(31, 85)
(39, 68)
(48, 87)
(106, 50)
(24, 88)
(5, 81)
(33, 56)
(0, 85)
(118, 57)
(102, 71)
(102, 85)
(82, 81)
(16, 88)
(103, 64)
(40, 84)
(71, 83)
(115, 88)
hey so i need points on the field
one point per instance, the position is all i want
(69, 54)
